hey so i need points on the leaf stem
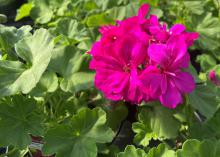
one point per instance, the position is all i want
(29, 152)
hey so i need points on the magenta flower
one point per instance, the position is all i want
(139, 60)
(117, 71)
(165, 78)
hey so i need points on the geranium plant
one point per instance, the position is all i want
(113, 78)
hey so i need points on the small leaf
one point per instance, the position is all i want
(24, 11)
(131, 151)
(161, 151)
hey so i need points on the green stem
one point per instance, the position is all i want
(29, 152)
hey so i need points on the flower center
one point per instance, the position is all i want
(163, 71)
(127, 68)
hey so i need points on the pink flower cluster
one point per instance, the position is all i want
(139, 60)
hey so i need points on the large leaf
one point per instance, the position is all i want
(19, 118)
(207, 129)
(115, 116)
(155, 123)
(73, 66)
(205, 99)
(36, 52)
(195, 148)
(131, 151)
(67, 60)
(79, 138)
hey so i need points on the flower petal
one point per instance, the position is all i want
(139, 54)
(190, 37)
(157, 53)
(177, 51)
(177, 29)
(151, 80)
(172, 97)
(143, 10)
(184, 82)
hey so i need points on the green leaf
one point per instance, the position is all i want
(78, 81)
(71, 29)
(208, 28)
(67, 60)
(208, 129)
(47, 84)
(19, 118)
(151, 2)
(193, 72)
(161, 151)
(85, 45)
(73, 66)
(195, 6)
(195, 148)
(131, 151)
(24, 11)
(205, 99)
(36, 52)
(115, 116)
(207, 62)
(10, 35)
(156, 11)
(3, 18)
(98, 20)
(41, 12)
(79, 138)
(155, 123)
(122, 12)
